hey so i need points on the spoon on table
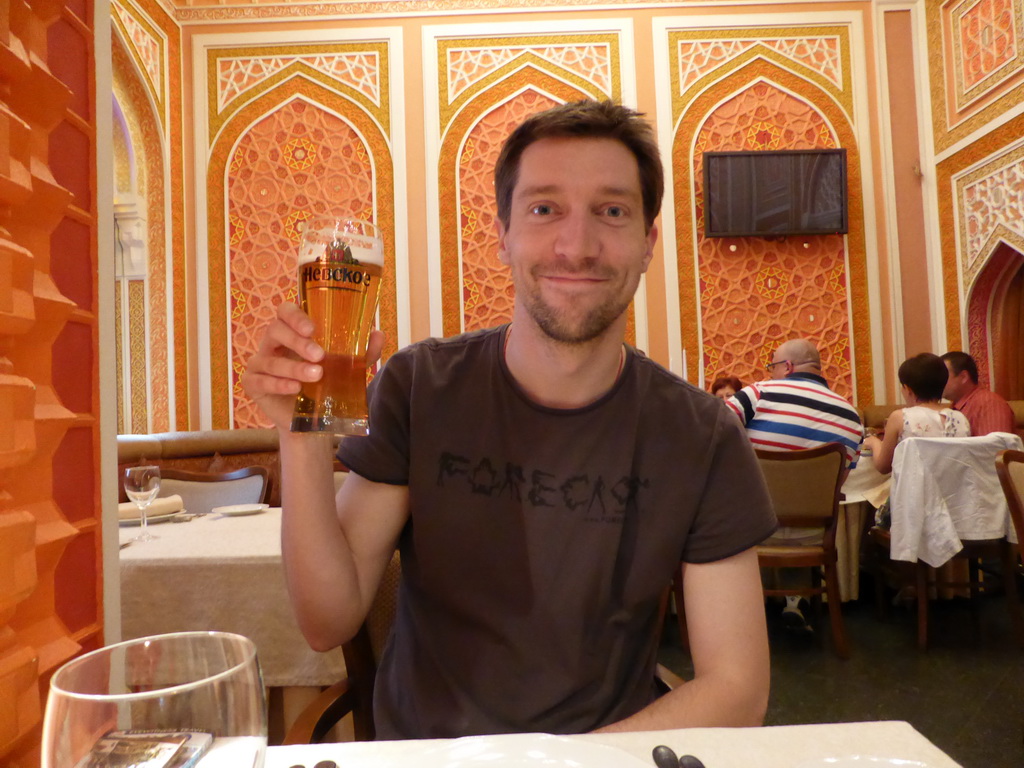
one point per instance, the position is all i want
(665, 757)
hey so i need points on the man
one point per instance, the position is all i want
(986, 411)
(795, 409)
(542, 480)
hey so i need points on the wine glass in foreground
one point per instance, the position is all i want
(169, 701)
(142, 484)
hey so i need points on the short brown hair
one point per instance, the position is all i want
(584, 119)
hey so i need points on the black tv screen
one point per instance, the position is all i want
(775, 193)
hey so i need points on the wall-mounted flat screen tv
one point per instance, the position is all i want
(775, 193)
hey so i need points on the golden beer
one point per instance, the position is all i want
(340, 266)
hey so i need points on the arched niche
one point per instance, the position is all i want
(995, 321)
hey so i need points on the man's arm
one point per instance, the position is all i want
(729, 646)
(335, 550)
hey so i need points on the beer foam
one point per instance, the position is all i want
(365, 249)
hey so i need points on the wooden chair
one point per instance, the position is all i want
(957, 472)
(354, 694)
(1010, 471)
(202, 491)
(805, 489)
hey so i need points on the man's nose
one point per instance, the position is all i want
(577, 236)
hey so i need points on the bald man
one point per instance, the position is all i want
(796, 409)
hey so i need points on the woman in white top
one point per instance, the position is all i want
(922, 379)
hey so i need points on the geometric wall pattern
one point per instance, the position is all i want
(147, 73)
(986, 41)
(296, 131)
(488, 86)
(296, 163)
(147, 46)
(486, 284)
(982, 75)
(149, 376)
(361, 69)
(756, 293)
(819, 55)
(765, 89)
(822, 54)
(990, 206)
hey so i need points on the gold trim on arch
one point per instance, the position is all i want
(220, 364)
(529, 58)
(686, 239)
(156, 90)
(449, 209)
(680, 101)
(381, 112)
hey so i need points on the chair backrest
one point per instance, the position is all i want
(363, 651)
(805, 484)
(202, 491)
(1010, 469)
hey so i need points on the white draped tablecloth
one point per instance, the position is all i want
(794, 746)
(223, 573)
(864, 489)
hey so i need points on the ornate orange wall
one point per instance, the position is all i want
(294, 131)
(976, 89)
(484, 88)
(147, 66)
(775, 88)
(50, 574)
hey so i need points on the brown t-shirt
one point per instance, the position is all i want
(540, 539)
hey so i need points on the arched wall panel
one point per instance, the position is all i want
(752, 293)
(269, 168)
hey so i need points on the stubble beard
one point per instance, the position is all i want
(569, 327)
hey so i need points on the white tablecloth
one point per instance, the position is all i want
(222, 573)
(795, 746)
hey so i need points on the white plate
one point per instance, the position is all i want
(533, 751)
(151, 518)
(862, 761)
(240, 509)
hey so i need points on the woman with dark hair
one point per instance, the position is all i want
(922, 379)
(726, 386)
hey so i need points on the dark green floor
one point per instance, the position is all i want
(965, 693)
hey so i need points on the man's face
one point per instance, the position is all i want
(575, 240)
(780, 365)
(955, 384)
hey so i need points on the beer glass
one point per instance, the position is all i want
(340, 266)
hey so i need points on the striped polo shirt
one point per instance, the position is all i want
(799, 411)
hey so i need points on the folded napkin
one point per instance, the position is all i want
(163, 506)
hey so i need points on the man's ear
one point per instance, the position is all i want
(652, 238)
(502, 232)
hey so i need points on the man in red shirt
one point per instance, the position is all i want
(985, 410)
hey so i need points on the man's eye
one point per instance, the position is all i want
(541, 209)
(615, 211)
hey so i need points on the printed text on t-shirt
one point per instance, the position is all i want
(598, 499)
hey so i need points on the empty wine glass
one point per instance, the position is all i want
(142, 484)
(182, 700)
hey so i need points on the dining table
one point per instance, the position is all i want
(879, 744)
(224, 572)
(864, 489)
